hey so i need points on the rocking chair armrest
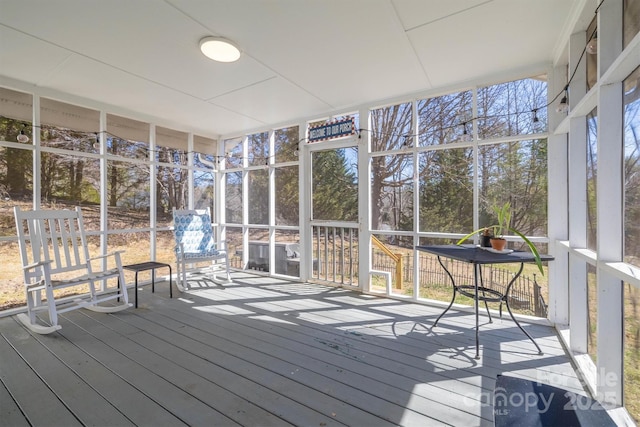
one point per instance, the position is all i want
(36, 265)
(114, 253)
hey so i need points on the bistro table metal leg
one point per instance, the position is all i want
(453, 298)
(486, 305)
(506, 300)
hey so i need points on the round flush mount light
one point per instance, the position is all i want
(219, 49)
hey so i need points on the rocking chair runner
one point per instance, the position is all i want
(55, 255)
(195, 243)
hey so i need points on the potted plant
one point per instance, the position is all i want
(503, 214)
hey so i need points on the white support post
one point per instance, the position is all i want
(578, 295)
(577, 169)
(610, 227)
(609, 34)
(190, 180)
(245, 202)
(104, 195)
(271, 220)
(415, 123)
(37, 160)
(558, 207)
(220, 191)
(304, 203)
(153, 195)
(364, 196)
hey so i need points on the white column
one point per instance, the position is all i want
(364, 200)
(271, 185)
(577, 170)
(37, 161)
(245, 201)
(220, 191)
(610, 205)
(304, 192)
(578, 295)
(190, 157)
(558, 207)
(153, 196)
(104, 195)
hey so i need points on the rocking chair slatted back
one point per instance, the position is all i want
(58, 240)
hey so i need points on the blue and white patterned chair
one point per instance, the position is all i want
(195, 242)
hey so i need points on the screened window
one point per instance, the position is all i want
(515, 172)
(233, 201)
(258, 149)
(171, 146)
(233, 153)
(69, 127)
(513, 108)
(632, 168)
(445, 119)
(16, 114)
(287, 196)
(392, 192)
(127, 138)
(446, 190)
(128, 198)
(592, 175)
(630, 20)
(391, 127)
(258, 181)
(16, 183)
(335, 184)
(591, 54)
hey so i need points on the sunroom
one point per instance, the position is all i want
(345, 135)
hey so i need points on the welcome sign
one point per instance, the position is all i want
(331, 130)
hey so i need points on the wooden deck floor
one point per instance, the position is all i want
(264, 352)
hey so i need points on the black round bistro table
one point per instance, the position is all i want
(478, 257)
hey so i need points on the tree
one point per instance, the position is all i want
(286, 192)
(391, 130)
(335, 189)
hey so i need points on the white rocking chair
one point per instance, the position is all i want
(55, 255)
(195, 243)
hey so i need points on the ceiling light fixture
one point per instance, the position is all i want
(23, 137)
(219, 49)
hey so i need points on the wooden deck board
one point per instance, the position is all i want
(307, 351)
(36, 400)
(134, 404)
(311, 366)
(264, 351)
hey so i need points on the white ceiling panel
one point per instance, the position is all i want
(26, 58)
(80, 75)
(503, 39)
(282, 101)
(417, 13)
(300, 58)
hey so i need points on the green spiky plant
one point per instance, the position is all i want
(503, 214)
